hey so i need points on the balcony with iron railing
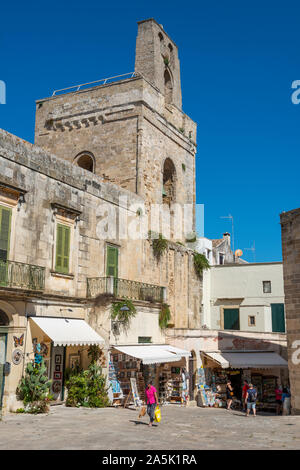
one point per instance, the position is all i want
(22, 276)
(124, 288)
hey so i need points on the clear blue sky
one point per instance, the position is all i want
(238, 60)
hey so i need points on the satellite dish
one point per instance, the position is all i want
(238, 253)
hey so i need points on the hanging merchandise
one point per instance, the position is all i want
(38, 356)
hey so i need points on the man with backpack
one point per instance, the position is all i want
(251, 400)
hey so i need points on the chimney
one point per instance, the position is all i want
(226, 236)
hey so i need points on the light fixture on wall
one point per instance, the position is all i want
(21, 201)
(124, 308)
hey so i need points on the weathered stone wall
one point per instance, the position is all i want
(128, 130)
(48, 179)
(290, 234)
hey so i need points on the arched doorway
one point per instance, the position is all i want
(192, 375)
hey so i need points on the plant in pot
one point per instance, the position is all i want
(123, 311)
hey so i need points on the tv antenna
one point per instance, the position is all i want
(253, 251)
(229, 216)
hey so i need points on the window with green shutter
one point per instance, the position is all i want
(5, 222)
(278, 320)
(112, 261)
(231, 319)
(63, 233)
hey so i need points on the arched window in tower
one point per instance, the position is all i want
(161, 43)
(169, 182)
(86, 161)
(4, 321)
(168, 87)
(171, 51)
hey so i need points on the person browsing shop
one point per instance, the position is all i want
(244, 394)
(251, 400)
(229, 394)
(278, 398)
(151, 401)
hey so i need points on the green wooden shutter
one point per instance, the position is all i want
(5, 219)
(278, 321)
(231, 319)
(63, 233)
(112, 261)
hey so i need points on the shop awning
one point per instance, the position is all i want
(154, 354)
(247, 360)
(68, 331)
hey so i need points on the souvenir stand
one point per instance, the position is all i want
(170, 384)
(212, 380)
(121, 369)
(165, 376)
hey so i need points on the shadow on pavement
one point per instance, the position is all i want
(141, 422)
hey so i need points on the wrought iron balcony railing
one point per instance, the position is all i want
(122, 288)
(22, 276)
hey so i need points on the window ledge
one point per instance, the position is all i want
(63, 275)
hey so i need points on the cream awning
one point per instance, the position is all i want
(154, 354)
(247, 360)
(68, 331)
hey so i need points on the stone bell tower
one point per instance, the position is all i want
(131, 131)
(157, 60)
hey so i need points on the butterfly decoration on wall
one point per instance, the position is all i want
(19, 341)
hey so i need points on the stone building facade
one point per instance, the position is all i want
(290, 235)
(110, 150)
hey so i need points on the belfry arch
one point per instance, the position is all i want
(169, 182)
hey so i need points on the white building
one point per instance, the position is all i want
(246, 297)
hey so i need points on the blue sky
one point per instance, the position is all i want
(238, 60)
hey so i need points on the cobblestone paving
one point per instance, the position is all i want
(180, 428)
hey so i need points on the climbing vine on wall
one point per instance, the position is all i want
(201, 263)
(164, 316)
(159, 244)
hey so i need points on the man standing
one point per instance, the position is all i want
(251, 400)
(244, 394)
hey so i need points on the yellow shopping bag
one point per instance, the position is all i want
(157, 414)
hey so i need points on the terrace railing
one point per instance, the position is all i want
(122, 288)
(22, 276)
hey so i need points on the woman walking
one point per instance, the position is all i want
(278, 398)
(151, 401)
(229, 394)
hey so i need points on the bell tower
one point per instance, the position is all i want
(157, 60)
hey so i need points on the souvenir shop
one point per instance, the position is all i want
(132, 367)
(264, 369)
(63, 344)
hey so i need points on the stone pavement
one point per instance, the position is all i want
(180, 428)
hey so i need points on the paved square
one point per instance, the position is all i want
(180, 428)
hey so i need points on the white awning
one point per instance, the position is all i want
(68, 331)
(180, 352)
(247, 360)
(154, 354)
(218, 357)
